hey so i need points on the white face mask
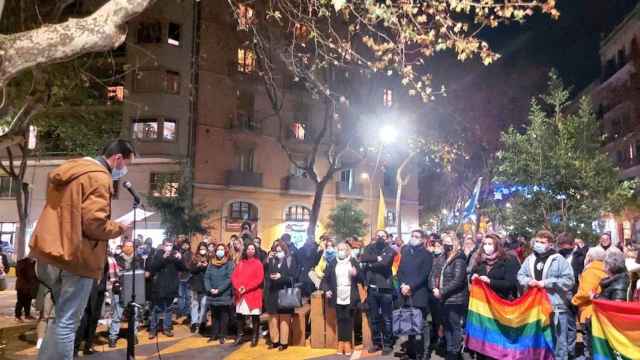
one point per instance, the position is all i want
(203, 252)
(280, 255)
(415, 241)
(342, 254)
(488, 249)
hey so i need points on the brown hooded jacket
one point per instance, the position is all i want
(74, 227)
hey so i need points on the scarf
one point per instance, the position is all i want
(489, 260)
(540, 260)
(215, 261)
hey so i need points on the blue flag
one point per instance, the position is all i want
(472, 204)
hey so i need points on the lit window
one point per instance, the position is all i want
(150, 33)
(387, 98)
(245, 16)
(245, 118)
(390, 218)
(245, 160)
(115, 93)
(33, 136)
(246, 60)
(301, 33)
(241, 210)
(7, 235)
(631, 154)
(172, 82)
(145, 129)
(164, 184)
(169, 130)
(297, 213)
(297, 131)
(173, 37)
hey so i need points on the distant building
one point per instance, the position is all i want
(616, 100)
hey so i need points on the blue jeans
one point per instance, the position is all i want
(70, 294)
(198, 308)
(116, 317)
(380, 308)
(164, 307)
(559, 331)
(184, 298)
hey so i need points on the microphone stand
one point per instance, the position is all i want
(132, 306)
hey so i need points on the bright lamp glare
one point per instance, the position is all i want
(388, 134)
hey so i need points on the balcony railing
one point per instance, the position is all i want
(299, 183)
(243, 178)
(347, 189)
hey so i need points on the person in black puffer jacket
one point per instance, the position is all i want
(279, 275)
(615, 286)
(164, 270)
(497, 268)
(450, 288)
(197, 266)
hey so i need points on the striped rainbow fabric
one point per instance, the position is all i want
(615, 330)
(503, 329)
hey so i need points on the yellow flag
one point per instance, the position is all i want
(382, 212)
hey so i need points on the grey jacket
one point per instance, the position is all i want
(557, 276)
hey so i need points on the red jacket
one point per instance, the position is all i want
(250, 275)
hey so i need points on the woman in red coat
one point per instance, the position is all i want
(247, 281)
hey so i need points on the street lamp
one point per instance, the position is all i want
(387, 134)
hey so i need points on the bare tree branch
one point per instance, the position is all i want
(103, 30)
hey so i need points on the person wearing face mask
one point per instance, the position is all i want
(70, 240)
(437, 342)
(197, 266)
(127, 261)
(184, 289)
(340, 285)
(164, 269)
(450, 288)
(217, 284)
(377, 259)
(495, 267)
(328, 251)
(413, 275)
(547, 269)
(247, 280)
(279, 275)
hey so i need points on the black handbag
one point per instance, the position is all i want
(289, 298)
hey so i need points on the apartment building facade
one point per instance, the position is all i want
(616, 100)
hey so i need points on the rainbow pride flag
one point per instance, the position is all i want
(615, 330)
(503, 329)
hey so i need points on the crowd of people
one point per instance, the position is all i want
(237, 282)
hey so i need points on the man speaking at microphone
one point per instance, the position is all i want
(70, 240)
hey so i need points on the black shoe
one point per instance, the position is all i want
(254, 342)
(283, 347)
(112, 343)
(221, 341)
(202, 329)
(152, 335)
(273, 346)
(168, 333)
(88, 350)
(194, 328)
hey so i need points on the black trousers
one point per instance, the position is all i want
(453, 314)
(380, 308)
(220, 320)
(417, 347)
(89, 322)
(344, 317)
(23, 303)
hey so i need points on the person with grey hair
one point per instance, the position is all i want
(615, 286)
(589, 284)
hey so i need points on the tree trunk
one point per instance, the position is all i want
(400, 185)
(22, 204)
(315, 208)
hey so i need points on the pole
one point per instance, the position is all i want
(373, 202)
(131, 333)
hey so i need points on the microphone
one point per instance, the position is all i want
(129, 186)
